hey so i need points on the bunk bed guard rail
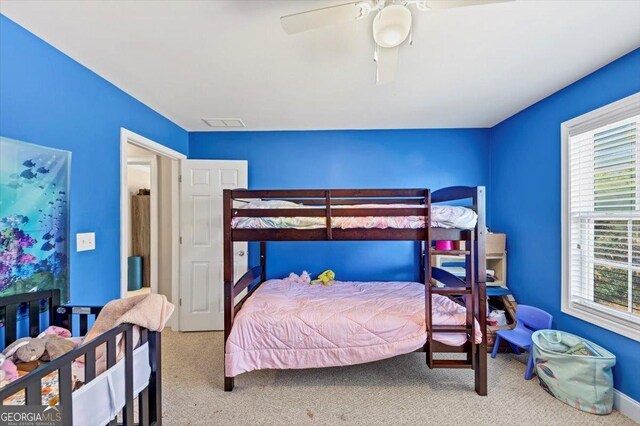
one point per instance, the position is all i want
(323, 204)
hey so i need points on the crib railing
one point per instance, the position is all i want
(149, 399)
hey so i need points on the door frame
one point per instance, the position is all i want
(129, 137)
(152, 162)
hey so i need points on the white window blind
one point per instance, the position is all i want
(602, 190)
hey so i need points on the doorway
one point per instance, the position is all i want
(143, 249)
(149, 219)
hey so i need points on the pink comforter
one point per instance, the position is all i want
(290, 325)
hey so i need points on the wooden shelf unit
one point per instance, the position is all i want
(495, 262)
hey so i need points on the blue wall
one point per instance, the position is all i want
(49, 99)
(351, 159)
(525, 201)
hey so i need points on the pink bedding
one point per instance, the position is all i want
(290, 325)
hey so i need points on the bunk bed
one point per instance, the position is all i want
(99, 397)
(360, 215)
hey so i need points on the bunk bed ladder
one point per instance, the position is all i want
(468, 292)
(428, 285)
(470, 279)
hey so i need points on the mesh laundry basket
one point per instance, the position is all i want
(584, 379)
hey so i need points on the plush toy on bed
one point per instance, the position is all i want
(303, 278)
(56, 346)
(25, 349)
(326, 278)
(46, 348)
(8, 370)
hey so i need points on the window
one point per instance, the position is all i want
(601, 217)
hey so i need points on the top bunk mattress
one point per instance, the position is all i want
(441, 217)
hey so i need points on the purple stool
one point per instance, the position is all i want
(528, 320)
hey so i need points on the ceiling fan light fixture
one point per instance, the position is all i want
(392, 25)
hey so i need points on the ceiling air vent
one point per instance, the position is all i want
(223, 122)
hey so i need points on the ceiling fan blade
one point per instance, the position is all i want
(387, 63)
(318, 18)
(448, 4)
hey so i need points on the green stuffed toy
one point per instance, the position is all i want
(326, 278)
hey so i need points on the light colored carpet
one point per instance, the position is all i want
(396, 391)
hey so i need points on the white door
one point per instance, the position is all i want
(201, 260)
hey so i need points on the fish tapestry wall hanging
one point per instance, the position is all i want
(34, 218)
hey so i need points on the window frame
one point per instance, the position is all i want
(597, 314)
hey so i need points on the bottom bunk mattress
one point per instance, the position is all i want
(286, 324)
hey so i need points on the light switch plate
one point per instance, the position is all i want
(86, 241)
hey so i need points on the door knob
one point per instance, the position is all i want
(241, 253)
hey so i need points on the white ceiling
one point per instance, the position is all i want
(468, 67)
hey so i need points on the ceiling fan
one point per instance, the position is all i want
(391, 24)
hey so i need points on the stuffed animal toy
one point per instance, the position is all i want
(56, 346)
(8, 370)
(293, 277)
(326, 278)
(303, 278)
(46, 348)
(25, 349)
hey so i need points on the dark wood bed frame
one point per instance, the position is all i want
(472, 289)
(149, 400)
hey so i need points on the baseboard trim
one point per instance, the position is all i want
(626, 405)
